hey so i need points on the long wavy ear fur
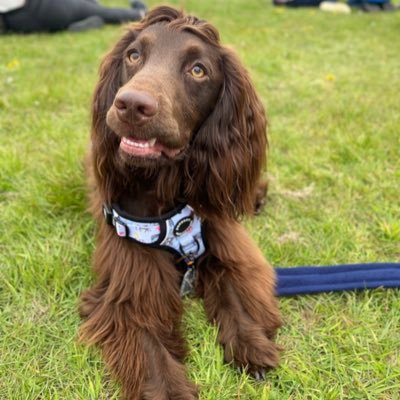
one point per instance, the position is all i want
(103, 140)
(229, 150)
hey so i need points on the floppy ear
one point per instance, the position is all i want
(229, 150)
(103, 140)
(110, 79)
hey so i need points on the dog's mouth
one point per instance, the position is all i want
(148, 148)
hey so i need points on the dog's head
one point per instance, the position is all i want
(170, 94)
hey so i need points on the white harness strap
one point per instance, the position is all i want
(179, 231)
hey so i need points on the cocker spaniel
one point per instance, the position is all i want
(177, 147)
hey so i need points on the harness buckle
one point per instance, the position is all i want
(189, 249)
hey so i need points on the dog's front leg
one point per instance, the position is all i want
(238, 287)
(133, 313)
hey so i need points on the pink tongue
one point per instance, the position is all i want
(168, 152)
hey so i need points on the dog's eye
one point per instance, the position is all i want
(133, 56)
(197, 71)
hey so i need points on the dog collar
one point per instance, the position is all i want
(179, 231)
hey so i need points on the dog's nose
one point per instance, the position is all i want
(135, 106)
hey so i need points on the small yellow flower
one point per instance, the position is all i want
(330, 77)
(13, 64)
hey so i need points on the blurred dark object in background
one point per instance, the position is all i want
(75, 15)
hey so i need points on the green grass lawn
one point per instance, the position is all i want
(331, 86)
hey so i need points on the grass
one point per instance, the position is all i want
(331, 87)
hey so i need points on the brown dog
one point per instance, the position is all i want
(176, 121)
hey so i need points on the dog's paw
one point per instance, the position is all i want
(189, 392)
(253, 352)
(186, 390)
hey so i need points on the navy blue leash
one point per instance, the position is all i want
(308, 280)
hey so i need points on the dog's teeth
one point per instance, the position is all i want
(149, 143)
(130, 142)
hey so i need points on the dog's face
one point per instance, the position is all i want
(170, 83)
(173, 101)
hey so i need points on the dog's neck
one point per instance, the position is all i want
(142, 197)
(144, 204)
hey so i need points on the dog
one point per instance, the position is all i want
(177, 147)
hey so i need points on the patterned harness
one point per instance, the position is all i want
(179, 231)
